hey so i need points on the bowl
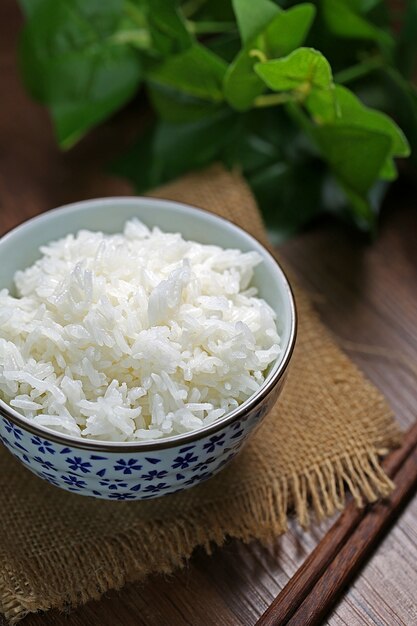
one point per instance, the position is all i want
(143, 470)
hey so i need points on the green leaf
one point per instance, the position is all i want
(402, 103)
(365, 210)
(356, 156)
(226, 46)
(288, 30)
(218, 10)
(173, 149)
(362, 208)
(200, 142)
(72, 118)
(241, 84)
(29, 7)
(359, 146)
(71, 62)
(319, 152)
(360, 6)
(406, 52)
(305, 67)
(307, 75)
(211, 28)
(137, 164)
(364, 6)
(356, 168)
(178, 107)
(262, 137)
(252, 16)
(353, 112)
(344, 20)
(167, 28)
(197, 72)
(285, 32)
(289, 195)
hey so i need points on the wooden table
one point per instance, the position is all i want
(365, 294)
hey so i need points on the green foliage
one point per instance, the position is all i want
(306, 77)
(74, 60)
(344, 18)
(197, 72)
(285, 31)
(252, 17)
(259, 85)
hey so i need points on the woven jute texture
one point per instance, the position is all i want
(326, 434)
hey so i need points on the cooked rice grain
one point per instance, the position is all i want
(134, 336)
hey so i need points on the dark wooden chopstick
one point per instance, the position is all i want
(311, 592)
(359, 546)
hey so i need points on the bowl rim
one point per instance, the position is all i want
(177, 440)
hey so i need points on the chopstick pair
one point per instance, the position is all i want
(311, 593)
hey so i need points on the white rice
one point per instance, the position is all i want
(134, 336)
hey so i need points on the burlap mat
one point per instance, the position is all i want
(327, 432)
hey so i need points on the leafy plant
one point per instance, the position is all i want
(256, 84)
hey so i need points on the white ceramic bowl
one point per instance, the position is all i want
(130, 470)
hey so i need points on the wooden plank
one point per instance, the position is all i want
(350, 557)
(312, 590)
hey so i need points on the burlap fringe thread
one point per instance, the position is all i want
(257, 510)
(320, 489)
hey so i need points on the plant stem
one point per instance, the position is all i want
(203, 28)
(258, 54)
(270, 100)
(139, 38)
(135, 14)
(359, 70)
(192, 6)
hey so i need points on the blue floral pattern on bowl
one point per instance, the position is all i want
(145, 470)
(132, 475)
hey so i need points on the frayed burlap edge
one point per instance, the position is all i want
(319, 489)
(258, 512)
